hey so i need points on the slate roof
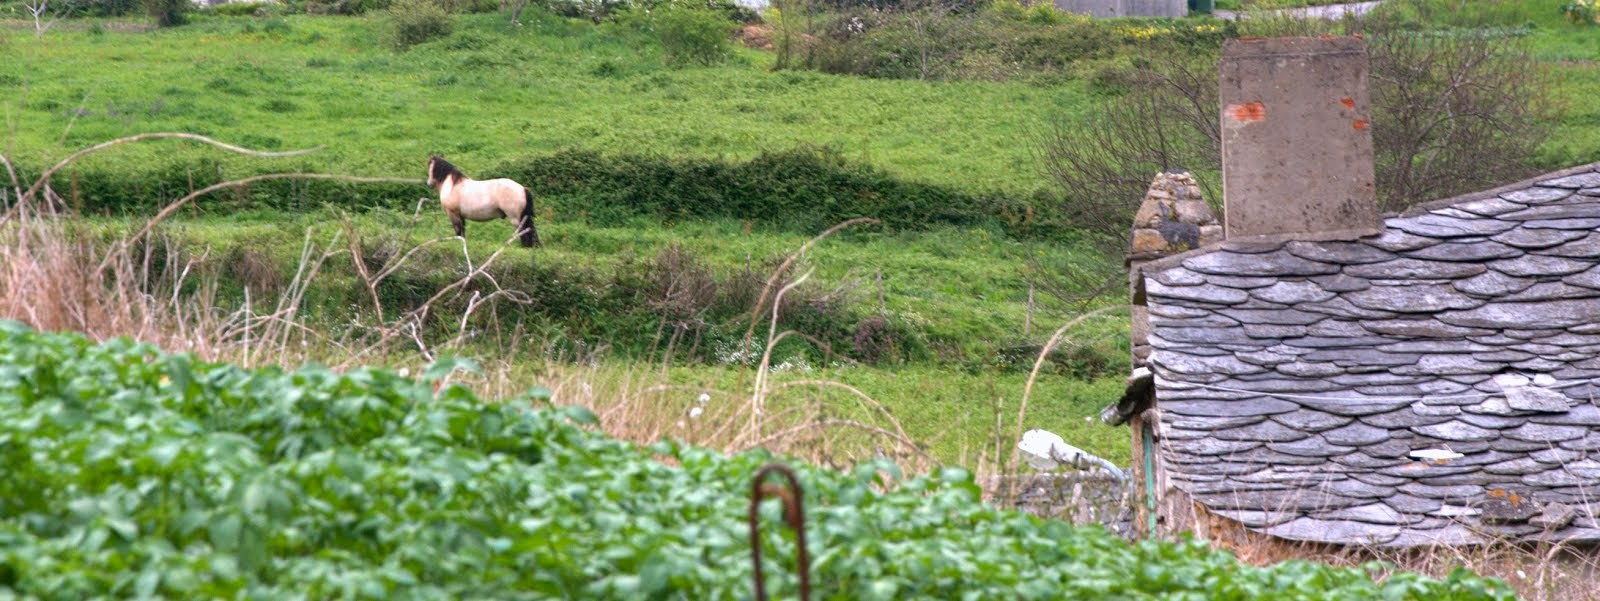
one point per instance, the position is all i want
(1295, 378)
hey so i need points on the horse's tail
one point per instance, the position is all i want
(530, 235)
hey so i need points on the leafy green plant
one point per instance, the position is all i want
(166, 13)
(135, 473)
(689, 36)
(413, 22)
(1583, 12)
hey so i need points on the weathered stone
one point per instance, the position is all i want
(1489, 207)
(1442, 492)
(1342, 253)
(1292, 292)
(1348, 357)
(1556, 456)
(1581, 180)
(1185, 364)
(1335, 531)
(1587, 247)
(1403, 418)
(1335, 341)
(1356, 434)
(1557, 477)
(1268, 431)
(1421, 298)
(1493, 406)
(1378, 480)
(1551, 291)
(1535, 432)
(1197, 339)
(1420, 328)
(1517, 467)
(1554, 516)
(1342, 308)
(1455, 430)
(1269, 383)
(1229, 408)
(1448, 364)
(1311, 421)
(1365, 461)
(1533, 398)
(1203, 293)
(1240, 282)
(1265, 357)
(1341, 283)
(1589, 278)
(1312, 446)
(1456, 511)
(1493, 283)
(1207, 424)
(1502, 506)
(1211, 234)
(1564, 224)
(1273, 331)
(1351, 404)
(1309, 370)
(1277, 263)
(1433, 345)
(1410, 269)
(1258, 519)
(1540, 266)
(1411, 504)
(1448, 227)
(1581, 415)
(1518, 446)
(1555, 211)
(1558, 313)
(1177, 276)
(1372, 513)
(1175, 311)
(1491, 421)
(1421, 408)
(1526, 238)
(1211, 446)
(1286, 317)
(1394, 240)
(1465, 251)
(1337, 328)
(1447, 536)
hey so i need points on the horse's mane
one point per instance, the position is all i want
(443, 170)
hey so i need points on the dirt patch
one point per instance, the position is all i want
(758, 37)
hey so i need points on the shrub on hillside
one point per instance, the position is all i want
(413, 22)
(166, 13)
(690, 36)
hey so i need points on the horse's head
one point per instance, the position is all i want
(440, 171)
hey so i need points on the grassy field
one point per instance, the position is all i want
(491, 92)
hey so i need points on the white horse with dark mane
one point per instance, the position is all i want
(465, 198)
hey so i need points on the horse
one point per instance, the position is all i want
(465, 198)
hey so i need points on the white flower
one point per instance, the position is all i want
(405, 372)
(695, 412)
(704, 398)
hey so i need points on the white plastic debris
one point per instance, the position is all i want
(1045, 451)
(1435, 455)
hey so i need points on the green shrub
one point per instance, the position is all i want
(690, 36)
(238, 9)
(167, 13)
(413, 22)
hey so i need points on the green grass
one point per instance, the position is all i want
(491, 92)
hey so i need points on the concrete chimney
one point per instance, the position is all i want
(1296, 140)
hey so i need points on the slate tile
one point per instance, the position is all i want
(1177, 276)
(1342, 253)
(1203, 293)
(1585, 247)
(1466, 251)
(1291, 292)
(1448, 227)
(1265, 406)
(1412, 299)
(1286, 317)
(1209, 446)
(1185, 364)
(1341, 283)
(1580, 415)
(1394, 240)
(1547, 194)
(1276, 263)
(1554, 211)
(1371, 513)
(1356, 434)
(1489, 207)
(1559, 313)
(1268, 431)
(1455, 430)
(1530, 239)
(1258, 519)
(1343, 308)
(1406, 269)
(1539, 266)
(1533, 432)
(1310, 420)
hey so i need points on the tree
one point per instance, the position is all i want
(40, 8)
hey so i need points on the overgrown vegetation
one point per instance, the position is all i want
(413, 22)
(134, 473)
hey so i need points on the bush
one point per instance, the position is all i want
(239, 9)
(689, 36)
(803, 189)
(413, 22)
(166, 13)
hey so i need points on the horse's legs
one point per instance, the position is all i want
(459, 223)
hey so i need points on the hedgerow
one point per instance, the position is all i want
(135, 473)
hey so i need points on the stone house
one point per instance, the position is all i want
(1326, 374)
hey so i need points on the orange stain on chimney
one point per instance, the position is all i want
(1249, 112)
(1348, 103)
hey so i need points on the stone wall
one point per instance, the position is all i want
(1126, 8)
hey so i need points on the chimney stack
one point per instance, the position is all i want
(1296, 140)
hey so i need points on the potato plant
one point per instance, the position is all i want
(132, 473)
